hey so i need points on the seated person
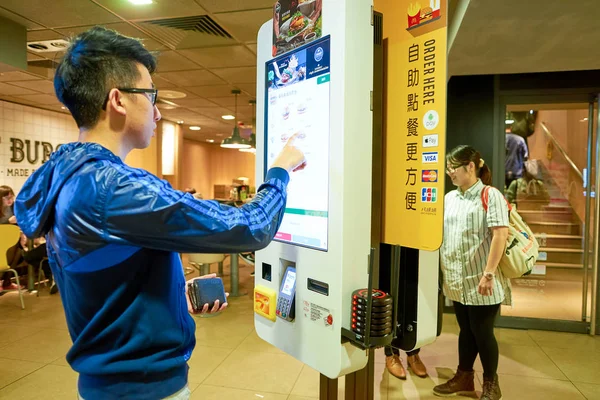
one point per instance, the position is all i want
(35, 256)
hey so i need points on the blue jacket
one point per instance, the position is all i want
(113, 236)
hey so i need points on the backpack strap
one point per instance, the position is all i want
(485, 198)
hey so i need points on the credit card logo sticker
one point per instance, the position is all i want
(431, 120)
(430, 157)
(429, 175)
(428, 195)
(430, 141)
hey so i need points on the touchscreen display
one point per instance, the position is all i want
(288, 285)
(297, 101)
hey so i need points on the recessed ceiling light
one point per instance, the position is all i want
(210, 140)
(63, 108)
(195, 128)
(180, 121)
(228, 117)
(140, 2)
(219, 135)
(171, 94)
(509, 121)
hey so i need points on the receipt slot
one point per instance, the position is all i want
(317, 86)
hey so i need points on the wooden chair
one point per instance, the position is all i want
(9, 236)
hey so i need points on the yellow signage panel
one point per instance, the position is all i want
(415, 136)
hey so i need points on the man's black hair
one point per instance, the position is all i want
(97, 61)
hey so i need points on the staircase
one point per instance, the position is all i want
(558, 231)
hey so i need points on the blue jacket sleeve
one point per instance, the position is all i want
(142, 210)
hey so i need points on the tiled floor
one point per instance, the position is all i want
(231, 362)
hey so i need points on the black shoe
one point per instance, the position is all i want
(53, 288)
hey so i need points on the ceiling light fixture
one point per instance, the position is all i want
(252, 148)
(210, 140)
(140, 2)
(235, 141)
(180, 121)
(509, 121)
(228, 117)
(195, 128)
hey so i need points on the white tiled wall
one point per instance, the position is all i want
(28, 123)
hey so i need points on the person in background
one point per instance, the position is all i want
(393, 363)
(528, 188)
(113, 233)
(474, 241)
(516, 155)
(7, 215)
(14, 255)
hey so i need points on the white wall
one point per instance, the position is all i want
(35, 125)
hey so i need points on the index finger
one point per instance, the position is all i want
(292, 139)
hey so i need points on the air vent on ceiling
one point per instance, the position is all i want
(48, 46)
(197, 23)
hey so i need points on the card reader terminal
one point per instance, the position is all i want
(286, 301)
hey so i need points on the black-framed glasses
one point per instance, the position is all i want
(152, 92)
(452, 169)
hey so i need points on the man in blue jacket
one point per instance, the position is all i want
(114, 232)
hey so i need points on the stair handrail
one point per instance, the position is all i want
(562, 151)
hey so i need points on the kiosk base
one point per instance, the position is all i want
(359, 384)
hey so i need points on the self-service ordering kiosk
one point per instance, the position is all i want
(328, 245)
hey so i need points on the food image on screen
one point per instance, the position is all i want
(297, 101)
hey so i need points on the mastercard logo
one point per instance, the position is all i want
(429, 175)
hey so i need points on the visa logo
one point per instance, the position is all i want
(429, 175)
(430, 157)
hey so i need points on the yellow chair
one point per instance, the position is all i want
(202, 262)
(9, 236)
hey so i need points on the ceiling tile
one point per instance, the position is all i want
(229, 101)
(249, 88)
(123, 28)
(235, 5)
(212, 91)
(158, 9)
(192, 78)
(19, 20)
(9, 90)
(188, 95)
(212, 112)
(41, 98)
(33, 57)
(15, 76)
(190, 103)
(237, 75)
(42, 86)
(61, 12)
(162, 83)
(171, 61)
(244, 25)
(46, 34)
(219, 57)
(253, 47)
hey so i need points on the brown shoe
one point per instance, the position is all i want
(462, 383)
(491, 389)
(417, 366)
(394, 365)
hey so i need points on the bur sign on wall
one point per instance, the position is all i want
(22, 150)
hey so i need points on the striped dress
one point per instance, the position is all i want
(466, 246)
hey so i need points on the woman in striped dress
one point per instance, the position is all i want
(474, 241)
